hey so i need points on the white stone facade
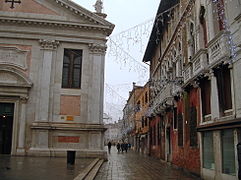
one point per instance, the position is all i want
(48, 120)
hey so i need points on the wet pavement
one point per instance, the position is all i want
(39, 168)
(134, 166)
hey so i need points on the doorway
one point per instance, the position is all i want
(6, 127)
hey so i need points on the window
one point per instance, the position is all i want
(146, 98)
(146, 119)
(205, 85)
(158, 133)
(154, 135)
(151, 134)
(180, 129)
(228, 158)
(72, 65)
(138, 106)
(208, 155)
(224, 88)
(142, 121)
(193, 126)
(175, 118)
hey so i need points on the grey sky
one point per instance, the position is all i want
(125, 14)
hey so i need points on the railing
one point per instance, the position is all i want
(200, 62)
(187, 74)
(219, 48)
(162, 97)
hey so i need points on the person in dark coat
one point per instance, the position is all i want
(118, 147)
(126, 146)
(109, 146)
(122, 147)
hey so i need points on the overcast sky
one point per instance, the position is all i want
(125, 14)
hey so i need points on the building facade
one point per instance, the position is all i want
(52, 57)
(129, 116)
(142, 135)
(194, 55)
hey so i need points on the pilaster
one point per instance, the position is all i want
(214, 96)
(96, 89)
(22, 126)
(48, 48)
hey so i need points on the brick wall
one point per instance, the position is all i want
(185, 156)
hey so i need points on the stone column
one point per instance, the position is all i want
(214, 96)
(96, 83)
(22, 125)
(48, 48)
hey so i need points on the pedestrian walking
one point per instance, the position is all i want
(126, 147)
(109, 146)
(118, 147)
(122, 147)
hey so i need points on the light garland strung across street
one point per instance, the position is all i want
(113, 102)
(126, 60)
(134, 36)
(121, 45)
(113, 96)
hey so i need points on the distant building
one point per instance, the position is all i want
(113, 132)
(52, 57)
(142, 122)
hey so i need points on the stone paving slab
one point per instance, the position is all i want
(39, 168)
(134, 166)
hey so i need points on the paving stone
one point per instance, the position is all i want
(134, 166)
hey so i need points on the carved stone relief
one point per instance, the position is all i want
(13, 56)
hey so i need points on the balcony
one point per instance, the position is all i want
(200, 62)
(163, 99)
(219, 48)
(187, 73)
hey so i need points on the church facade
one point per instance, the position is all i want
(52, 56)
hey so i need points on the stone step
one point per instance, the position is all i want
(95, 170)
(83, 174)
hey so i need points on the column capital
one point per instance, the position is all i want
(49, 44)
(24, 99)
(97, 48)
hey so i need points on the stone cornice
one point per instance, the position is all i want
(49, 44)
(56, 24)
(97, 48)
(88, 15)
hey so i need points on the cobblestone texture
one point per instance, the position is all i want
(134, 166)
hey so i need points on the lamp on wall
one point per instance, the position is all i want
(12, 2)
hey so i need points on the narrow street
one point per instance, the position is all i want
(134, 166)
